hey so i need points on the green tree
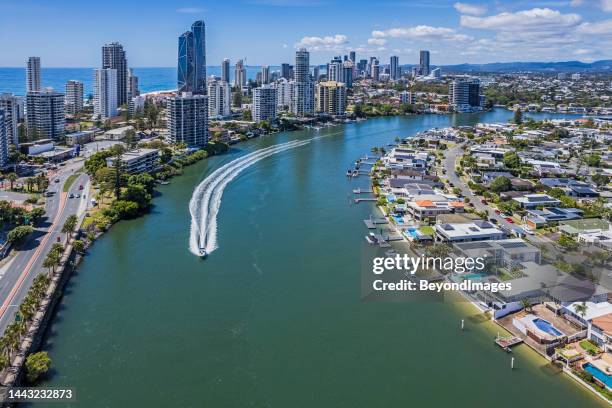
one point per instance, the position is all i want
(567, 243)
(117, 154)
(79, 246)
(500, 184)
(512, 160)
(600, 180)
(518, 117)
(593, 160)
(51, 261)
(69, 225)
(19, 233)
(37, 365)
(581, 308)
(11, 177)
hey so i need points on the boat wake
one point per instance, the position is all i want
(206, 198)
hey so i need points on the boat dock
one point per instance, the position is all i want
(507, 342)
(360, 191)
(358, 200)
(373, 222)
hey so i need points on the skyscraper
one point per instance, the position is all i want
(303, 95)
(375, 70)
(46, 115)
(335, 70)
(105, 93)
(264, 103)
(4, 140)
(10, 105)
(331, 98)
(133, 89)
(394, 68)
(286, 71)
(113, 57)
(192, 60)
(265, 74)
(348, 69)
(188, 119)
(219, 98)
(33, 75)
(424, 63)
(74, 96)
(225, 70)
(353, 57)
(239, 74)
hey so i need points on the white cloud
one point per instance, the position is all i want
(606, 5)
(583, 51)
(576, 3)
(472, 9)
(537, 19)
(422, 32)
(327, 43)
(190, 10)
(597, 28)
(377, 41)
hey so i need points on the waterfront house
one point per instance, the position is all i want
(465, 232)
(506, 253)
(428, 207)
(590, 225)
(593, 310)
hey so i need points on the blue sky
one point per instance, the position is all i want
(69, 33)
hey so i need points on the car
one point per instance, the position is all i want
(509, 219)
(78, 196)
(81, 187)
(483, 201)
(71, 195)
(497, 212)
(451, 184)
(528, 231)
(56, 180)
(492, 220)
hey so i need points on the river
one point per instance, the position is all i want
(274, 317)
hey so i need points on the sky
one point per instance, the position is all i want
(69, 33)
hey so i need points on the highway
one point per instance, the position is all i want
(19, 270)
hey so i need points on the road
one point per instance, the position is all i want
(18, 271)
(449, 164)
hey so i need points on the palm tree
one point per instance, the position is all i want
(12, 177)
(526, 304)
(51, 261)
(581, 309)
(117, 152)
(69, 225)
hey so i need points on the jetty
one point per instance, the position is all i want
(358, 200)
(507, 342)
(360, 191)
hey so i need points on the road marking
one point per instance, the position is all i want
(26, 270)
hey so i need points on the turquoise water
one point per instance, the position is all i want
(547, 327)
(274, 317)
(597, 373)
(149, 79)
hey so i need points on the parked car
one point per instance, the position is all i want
(492, 220)
(81, 187)
(483, 201)
(510, 220)
(528, 230)
(71, 195)
(497, 212)
(56, 180)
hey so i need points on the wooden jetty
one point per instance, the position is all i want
(507, 342)
(358, 200)
(360, 191)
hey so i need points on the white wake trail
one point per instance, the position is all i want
(206, 199)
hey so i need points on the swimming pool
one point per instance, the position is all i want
(398, 219)
(412, 232)
(546, 327)
(597, 373)
(474, 276)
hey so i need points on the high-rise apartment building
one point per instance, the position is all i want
(188, 119)
(105, 93)
(424, 62)
(375, 70)
(265, 74)
(286, 71)
(264, 103)
(394, 70)
(348, 69)
(465, 95)
(74, 96)
(46, 114)
(240, 78)
(4, 140)
(219, 99)
(9, 103)
(133, 89)
(303, 93)
(353, 57)
(284, 90)
(407, 97)
(113, 57)
(331, 98)
(225, 70)
(33, 75)
(192, 60)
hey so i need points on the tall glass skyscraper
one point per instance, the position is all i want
(113, 57)
(192, 60)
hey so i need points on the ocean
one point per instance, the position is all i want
(150, 79)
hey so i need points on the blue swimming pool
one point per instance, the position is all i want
(412, 232)
(398, 219)
(597, 373)
(474, 276)
(546, 327)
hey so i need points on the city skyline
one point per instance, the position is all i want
(455, 32)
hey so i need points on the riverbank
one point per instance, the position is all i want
(278, 300)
